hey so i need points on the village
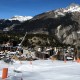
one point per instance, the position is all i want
(9, 53)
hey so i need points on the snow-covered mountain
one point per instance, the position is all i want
(71, 8)
(21, 18)
(58, 12)
(63, 23)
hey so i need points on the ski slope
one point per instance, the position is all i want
(42, 70)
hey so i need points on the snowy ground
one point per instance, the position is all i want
(43, 70)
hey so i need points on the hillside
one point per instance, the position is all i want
(63, 24)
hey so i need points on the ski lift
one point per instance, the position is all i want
(20, 44)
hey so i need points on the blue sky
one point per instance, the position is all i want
(9, 8)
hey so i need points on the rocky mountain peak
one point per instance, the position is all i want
(72, 8)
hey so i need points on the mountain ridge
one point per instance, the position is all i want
(63, 24)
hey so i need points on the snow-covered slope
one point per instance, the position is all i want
(21, 18)
(42, 70)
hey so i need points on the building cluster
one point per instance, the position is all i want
(7, 50)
